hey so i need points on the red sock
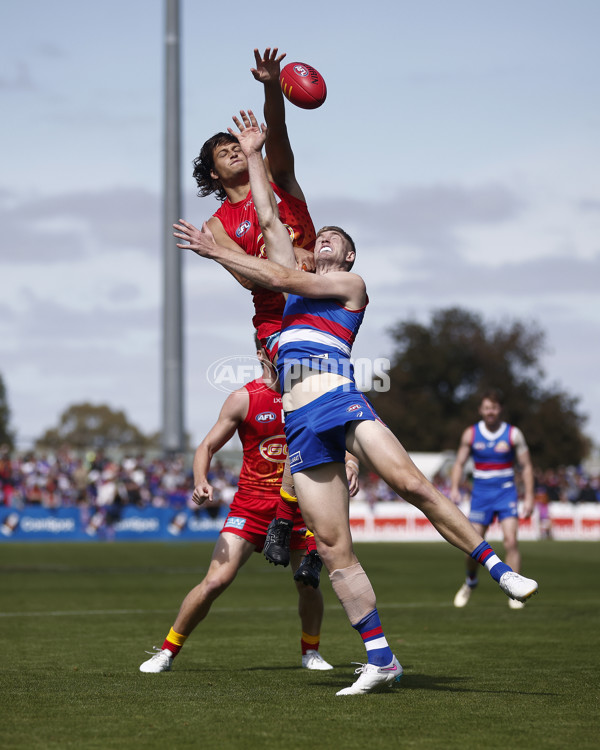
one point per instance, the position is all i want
(174, 642)
(288, 506)
(309, 642)
(311, 545)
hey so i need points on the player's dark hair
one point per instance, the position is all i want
(492, 394)
(345, 235)
(204, 164)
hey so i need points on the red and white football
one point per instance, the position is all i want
(303, 85)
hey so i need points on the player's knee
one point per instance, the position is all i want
(413, 486)
(217, 581)
(510, 544)
(308, 596)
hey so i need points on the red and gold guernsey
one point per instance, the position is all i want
(264, 447)
(240, 222)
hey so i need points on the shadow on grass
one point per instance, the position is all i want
(409, 681)
(451, 684)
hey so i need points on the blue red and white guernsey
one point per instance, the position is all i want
(493, 455)
(494, 490)
(318, 333)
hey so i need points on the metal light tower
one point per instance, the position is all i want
(173, 439)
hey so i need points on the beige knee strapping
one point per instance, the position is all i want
(354, 590)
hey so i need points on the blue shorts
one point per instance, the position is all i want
(490, 501)
(316, 433)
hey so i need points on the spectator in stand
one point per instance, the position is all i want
(587, 491)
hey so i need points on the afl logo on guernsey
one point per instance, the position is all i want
(265, 416)
(274, 449)
(243, 228)
(354, 407)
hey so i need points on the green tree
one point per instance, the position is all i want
(439, 370)
(6, 435)
(93, 426)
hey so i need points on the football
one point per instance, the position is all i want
(303, 85)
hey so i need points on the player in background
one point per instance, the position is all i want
(495, 447)
(222, 169)
(325, 414)
(255, 411)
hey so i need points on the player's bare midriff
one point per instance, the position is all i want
(309, 386)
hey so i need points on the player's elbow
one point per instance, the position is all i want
(269, 221)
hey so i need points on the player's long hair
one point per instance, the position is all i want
(204, 164)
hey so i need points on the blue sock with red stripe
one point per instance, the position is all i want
(378, 651)
(485, 555)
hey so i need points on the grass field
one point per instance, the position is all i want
(75, 621)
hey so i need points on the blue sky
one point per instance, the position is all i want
(459, 145)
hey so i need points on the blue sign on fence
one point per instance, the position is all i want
(113, 523)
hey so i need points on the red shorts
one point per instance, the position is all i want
(252, 525)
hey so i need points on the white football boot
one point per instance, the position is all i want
(160, 662)
(517, 586)
(515, 604)
(463, 595)
(313, 660)
(373, 678)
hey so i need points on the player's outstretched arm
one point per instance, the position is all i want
(280, 157)
(251, 137)
(233, 413)
(348, 288)
(278, 242)
(222, 238)
(202, 242)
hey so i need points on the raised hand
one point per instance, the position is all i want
(251, 135)
(201, 242)
(268, 66)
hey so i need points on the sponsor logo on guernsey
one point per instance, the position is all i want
(235, 522)
(265, 416)
(295, 458)
(243, 228)
(502, 447)
(274, 448)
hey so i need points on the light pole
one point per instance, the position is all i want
(173, 433)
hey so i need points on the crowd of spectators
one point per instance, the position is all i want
(69, 479)
(95, 480)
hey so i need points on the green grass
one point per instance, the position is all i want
(75, 621)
